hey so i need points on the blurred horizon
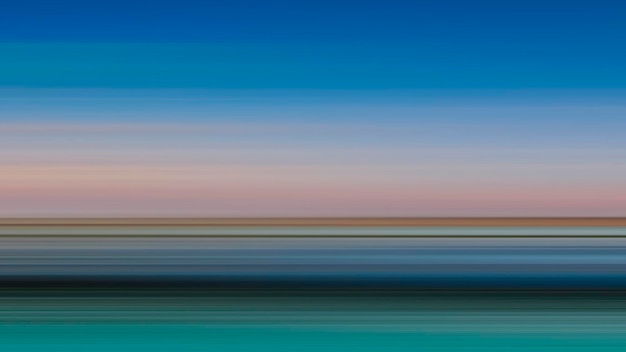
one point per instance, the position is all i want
(197, 153)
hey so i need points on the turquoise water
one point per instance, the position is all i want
(181, 338)
(206, 320)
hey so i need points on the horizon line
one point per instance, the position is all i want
(316, 221)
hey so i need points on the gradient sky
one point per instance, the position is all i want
(325, 108)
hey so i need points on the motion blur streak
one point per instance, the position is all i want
(312, 175)
(180, 152)
(371, 284)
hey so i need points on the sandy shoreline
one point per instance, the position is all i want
(427, 222)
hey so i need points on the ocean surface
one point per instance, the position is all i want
(211, 288)
(103, 319)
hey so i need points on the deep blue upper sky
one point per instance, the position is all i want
(544, 23)
(314, 44)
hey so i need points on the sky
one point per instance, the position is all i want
(312, 108)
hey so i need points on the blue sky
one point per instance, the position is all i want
(255, 108)
(313, 44)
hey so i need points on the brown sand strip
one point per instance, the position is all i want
(461, 222)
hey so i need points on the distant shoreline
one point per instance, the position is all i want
(327, 221)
